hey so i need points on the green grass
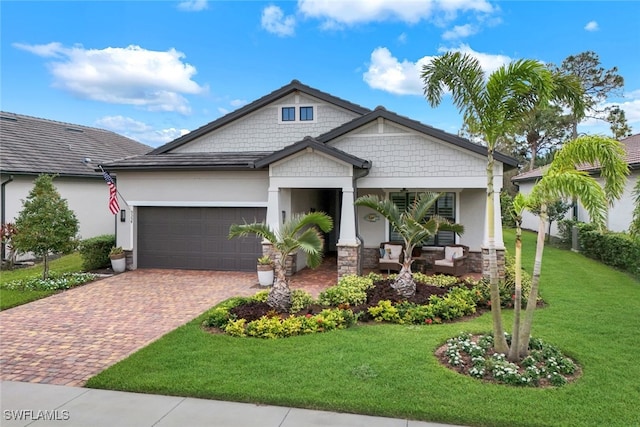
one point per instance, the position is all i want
(593, 315)
(10, 298)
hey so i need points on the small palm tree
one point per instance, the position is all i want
(299, 233)
(413, 226)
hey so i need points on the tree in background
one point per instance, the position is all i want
(556, 210)
(45, 225)
(618, 123)
(494, 107)
(598, 85)
(542, 132)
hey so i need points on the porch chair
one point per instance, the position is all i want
(454, 262)
(391, 256)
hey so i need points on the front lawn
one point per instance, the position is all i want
(13, 297)
(592, 315)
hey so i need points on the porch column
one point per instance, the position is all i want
(273, 218)
(348, 244)
(348, 219)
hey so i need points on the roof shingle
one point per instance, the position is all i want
(31, 145)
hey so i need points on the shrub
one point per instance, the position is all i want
(440, 280)
(95, 251)
(618, 250)
(52, 283)
(351, 289)
(386, 311)
(507, 287)
(299, 300)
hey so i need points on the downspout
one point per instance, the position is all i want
(363, 173)
(3, 213)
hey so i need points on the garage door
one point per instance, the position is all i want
(196, 238)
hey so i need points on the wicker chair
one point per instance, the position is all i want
(391, 256)
(454, 262)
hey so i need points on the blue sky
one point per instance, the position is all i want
(154, 70)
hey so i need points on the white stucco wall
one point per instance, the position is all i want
(618, 217)
(262, 130)
(87, 198)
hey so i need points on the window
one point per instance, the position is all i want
(445, 206)
(306, 113)
(288, 114)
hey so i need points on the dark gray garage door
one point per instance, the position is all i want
(196, 238)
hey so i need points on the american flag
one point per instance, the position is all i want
(114, 207)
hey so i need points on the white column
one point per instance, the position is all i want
(273, 208)
(347, 219)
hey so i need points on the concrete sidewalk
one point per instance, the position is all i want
(29, 404)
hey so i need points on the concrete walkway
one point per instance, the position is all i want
(28, 404)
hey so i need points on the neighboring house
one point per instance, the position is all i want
(619, 215)
(297, 150)
(31, 146)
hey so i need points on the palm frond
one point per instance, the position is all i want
(606, 153)
(574, 184)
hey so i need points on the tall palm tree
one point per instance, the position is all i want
(414, 226)
(298, 233)
(494, 106)
(564, 180)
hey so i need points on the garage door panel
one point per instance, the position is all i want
(196, 238)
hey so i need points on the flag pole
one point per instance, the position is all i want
(117, 191)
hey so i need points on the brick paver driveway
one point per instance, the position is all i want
(71, 336)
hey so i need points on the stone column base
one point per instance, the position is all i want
(348, 260)
(500, 255)
(290, 264)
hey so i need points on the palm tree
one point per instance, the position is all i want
(494, 107)
(564, 180)
(298, 233)
(414, 226)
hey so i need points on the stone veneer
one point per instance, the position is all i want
(371, 257)
(500, 254)
(290, 264)
(348, 260)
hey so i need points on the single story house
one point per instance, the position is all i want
(619, 215)
(31, 146)
(297, 149)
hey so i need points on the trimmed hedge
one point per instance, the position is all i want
(95, 251)
(618, 250)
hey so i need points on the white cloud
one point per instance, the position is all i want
(389, 74)
(152, 80)
(592, 26)
(488, 62)
(337, 13)
(193, 5)
(460, 31)
(402, 38)
(140, 131)
(630, 104)
(238, 102)
(274, 21)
